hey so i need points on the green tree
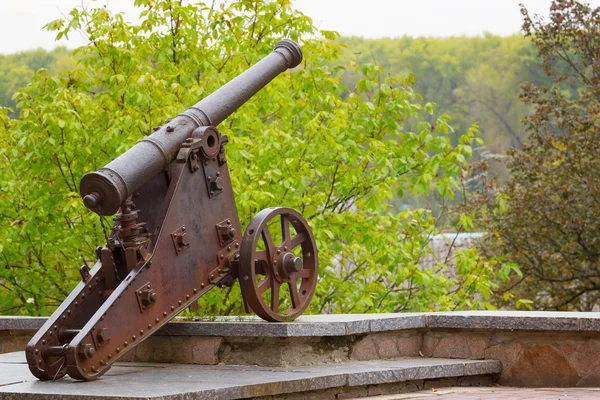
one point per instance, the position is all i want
(338, 155)
(17, 69)
(546, 218)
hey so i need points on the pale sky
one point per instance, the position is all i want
(21, 21)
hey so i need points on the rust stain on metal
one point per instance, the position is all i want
(176, 235)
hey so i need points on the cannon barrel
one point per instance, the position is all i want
(105, 190)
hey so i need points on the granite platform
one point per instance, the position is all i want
(534, 349)
(133, 381)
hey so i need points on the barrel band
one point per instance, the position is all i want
(196, 115)
(160, 148)
(112, 174)
(293, 57)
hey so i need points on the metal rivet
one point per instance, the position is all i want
(179, 302)
(195, 290)
(109, 356)
(141, 331)
(157, 320)
(164, 314)
(149, 326)
(125, 344)
(118, 350)
(202, 285)
(133, 337)
(187, 296)
(172, 308)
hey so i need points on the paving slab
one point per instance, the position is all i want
(132, 381)
(497, 393)
(354, 324)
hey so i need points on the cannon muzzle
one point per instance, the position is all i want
(105, 190)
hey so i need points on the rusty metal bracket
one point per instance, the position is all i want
(180, 239)
(146, 296)
(195, 161)
(212, 176)
(225, 231)
(226, 258)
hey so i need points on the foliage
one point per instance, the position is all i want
(336, 154)
(472, 78)
(17, 69)
(546, 219)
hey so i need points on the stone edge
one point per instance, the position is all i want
(341, 378)
(358, 324)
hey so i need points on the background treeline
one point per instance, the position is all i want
(470, 78)
(16, 70)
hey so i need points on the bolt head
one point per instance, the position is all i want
(102, 335)
(148, 297)
(86, 351)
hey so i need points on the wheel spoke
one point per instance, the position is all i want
(264, 286)
(275, 296)
(261, 255)
(266, 235)
(303, 273)
(297, 240)
(285, 231)
(295, 295)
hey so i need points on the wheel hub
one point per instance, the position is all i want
(291, 263)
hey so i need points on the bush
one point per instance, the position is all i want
(546, 219)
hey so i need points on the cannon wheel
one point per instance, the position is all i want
(278, 267)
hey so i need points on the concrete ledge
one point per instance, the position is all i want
(171, 381)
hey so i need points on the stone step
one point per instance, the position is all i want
(129, 381)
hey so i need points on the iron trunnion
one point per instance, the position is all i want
(176, 235)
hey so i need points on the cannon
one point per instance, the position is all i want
(176, 235)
